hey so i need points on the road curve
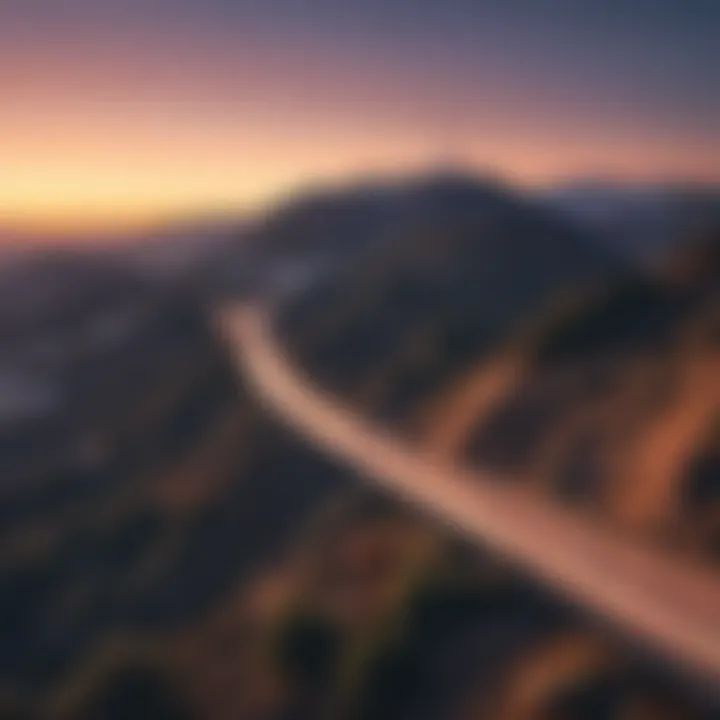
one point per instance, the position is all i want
(669, 606)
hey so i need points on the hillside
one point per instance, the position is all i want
(455, 268)
(127, 506)
(169, 552)
(617, 406)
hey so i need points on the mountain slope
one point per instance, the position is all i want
(453, 269)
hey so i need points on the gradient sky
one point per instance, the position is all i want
(121, 111)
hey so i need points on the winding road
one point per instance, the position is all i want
(669, 606)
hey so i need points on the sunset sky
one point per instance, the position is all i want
(116, 112)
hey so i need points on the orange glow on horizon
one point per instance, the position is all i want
(92, 143)
(131, 187)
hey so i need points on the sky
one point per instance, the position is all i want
(118, 112)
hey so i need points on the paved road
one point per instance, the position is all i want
(669, 606)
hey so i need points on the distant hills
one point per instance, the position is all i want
(639, 221)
